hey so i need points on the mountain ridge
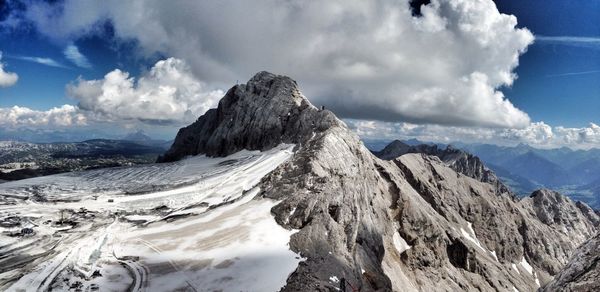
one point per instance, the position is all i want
(407, 224)
(526, 169)
(459, 160)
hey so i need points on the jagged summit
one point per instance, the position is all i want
(459, 160)
(553, 208)
(393, 150)
(266, 111)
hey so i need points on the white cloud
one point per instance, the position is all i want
(574, 73)
(429, 133)
(73, 54)
(363, 59)
(7, 79)
(167, 94)
(40, 60)
(586, 137)
(542, 135)
(592, 42)
(537, 134)
(64, 116)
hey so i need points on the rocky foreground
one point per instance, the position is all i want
(410, 223)
(582, 273)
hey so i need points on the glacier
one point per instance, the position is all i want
(197, 225)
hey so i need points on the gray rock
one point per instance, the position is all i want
(588, 212)
(582, 273)
(459, 160)
(408, 224)
(395, 149)
(265, 112)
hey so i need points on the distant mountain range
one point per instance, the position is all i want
(19, 160)
(53, 135)
(73, 135)
(524, 168)
(140, 137)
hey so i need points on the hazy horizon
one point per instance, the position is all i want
(492, 72)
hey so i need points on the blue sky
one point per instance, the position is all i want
(42, 86)
(552, 103)
(558, 81)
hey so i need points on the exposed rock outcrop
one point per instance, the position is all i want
(459, 160)
(263, 113)
(409, 224)
(397, 148)
(582, 273)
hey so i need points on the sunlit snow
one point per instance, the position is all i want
(515, 268)
(471, 235)
(493, 252)
(189, 225)
(399, 243)
(526, 266)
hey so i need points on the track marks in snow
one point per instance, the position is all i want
(139, 273)
(228, 239)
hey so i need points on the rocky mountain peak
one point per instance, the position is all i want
(434, 220)
(393, 150)
(552, 208)
(275, 87)
(266, 111)
(546, 196)
(459, 160)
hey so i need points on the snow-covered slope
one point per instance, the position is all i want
(201, 229)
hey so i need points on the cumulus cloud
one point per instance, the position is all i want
(363, 59)
(66, 115)
(538, 134)
(542, 135)
(167, 94)
(586, 137)
(73, 54)
(7, 79)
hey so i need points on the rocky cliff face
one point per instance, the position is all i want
(582, 272)
(408, 224)
(461, 161)
(265, 112)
